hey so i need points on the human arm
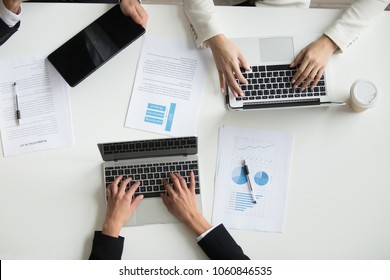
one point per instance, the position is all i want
(218, 244)
(181, 202)
(354, 21)
(107, 244)
(106, 247)
(228, 60)
(203, 20)
(337, 37)
(134, 9)
(207, 33)
(9, 18)
(312, 61)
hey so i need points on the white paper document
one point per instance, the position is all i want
(34, 87)
(168, 87)
(268, 158)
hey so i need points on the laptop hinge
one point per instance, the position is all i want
(281, 104)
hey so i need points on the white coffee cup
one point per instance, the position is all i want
(363, 95)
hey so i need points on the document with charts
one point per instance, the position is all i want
(168, 87)
(268, 157)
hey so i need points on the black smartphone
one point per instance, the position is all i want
(97, 43)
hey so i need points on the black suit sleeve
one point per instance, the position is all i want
(106, 247)
(6, 31)
(218, 244)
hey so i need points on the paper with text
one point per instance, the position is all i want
(268, 157)
(43, 101)
(168, 88)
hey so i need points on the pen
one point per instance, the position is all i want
(18, 117)
(246, 171)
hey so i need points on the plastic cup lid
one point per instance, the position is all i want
(365, 93)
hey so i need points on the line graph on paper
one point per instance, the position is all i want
(254, 150)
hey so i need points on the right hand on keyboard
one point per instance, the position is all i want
(181, 202)
(311, 62)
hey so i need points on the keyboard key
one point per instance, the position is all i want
(150, 194)
(278, 67)
(110, 179)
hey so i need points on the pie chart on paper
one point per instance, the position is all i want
(238, 176)
(261, 178)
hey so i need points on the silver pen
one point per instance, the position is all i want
(246, 171)
(18, 116)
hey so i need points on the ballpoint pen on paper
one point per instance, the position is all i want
(18, 116)
(246, 171)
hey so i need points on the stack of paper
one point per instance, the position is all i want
(268, 157)
(34, 88)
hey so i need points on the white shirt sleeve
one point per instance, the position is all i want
(354, 20)
(203, 20)
(7, 16)
(199, 238)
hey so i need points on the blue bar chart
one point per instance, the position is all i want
(160, 115)
(241, 203)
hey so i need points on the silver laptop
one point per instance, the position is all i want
(269, 79)
(150, 162)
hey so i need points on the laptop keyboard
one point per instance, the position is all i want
(150, 162)
(274, 82)
(151, 175)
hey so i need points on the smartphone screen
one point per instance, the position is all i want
(94, 45)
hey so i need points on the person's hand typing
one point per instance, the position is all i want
(312, 61)
(228, 60)
(134, 9)
(120, 205)
(181, 202)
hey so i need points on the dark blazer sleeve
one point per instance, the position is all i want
(106, 247)
(218, 244)
(6, 31)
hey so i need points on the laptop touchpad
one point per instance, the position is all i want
(277, 50)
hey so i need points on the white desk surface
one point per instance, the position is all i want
(338, 201)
